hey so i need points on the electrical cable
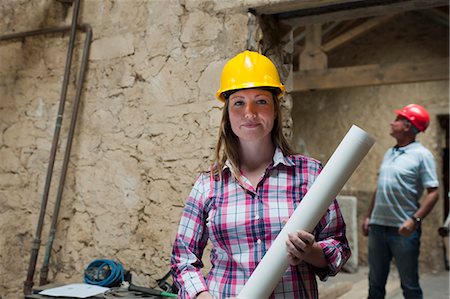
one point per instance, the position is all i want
(105, 273)
(151, 291)
(111, 274)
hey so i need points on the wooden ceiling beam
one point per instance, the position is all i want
(356, 32)
(369, 75)
(312, 56)
(289, 5)
(363, 12)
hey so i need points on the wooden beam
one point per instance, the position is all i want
(436, 15)
(368, 75)
(363, 12)
(356, 32)
(289, 5)
(312, 56)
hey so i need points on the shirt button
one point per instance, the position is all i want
(258, 241)
(257, 217)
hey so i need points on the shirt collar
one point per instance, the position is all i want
(227, 165)
(278, 158)
(403, 149)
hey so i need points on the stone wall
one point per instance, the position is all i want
(147, 125)
(322, 118)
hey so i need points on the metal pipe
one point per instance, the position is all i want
(58, 125)
(82, 27)
(28, 283)
(52, 232)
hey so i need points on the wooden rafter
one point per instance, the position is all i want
(366, 75)
(313, 73)
(347, 14)
(289, 5)
(356, 32)
(312, 56)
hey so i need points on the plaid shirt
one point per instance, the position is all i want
(242, 222)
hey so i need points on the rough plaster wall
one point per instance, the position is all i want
(147, 125)
(322, 118)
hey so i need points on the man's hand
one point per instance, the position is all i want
(365, 227)
(407, 228)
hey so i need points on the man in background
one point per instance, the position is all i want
(394, 217)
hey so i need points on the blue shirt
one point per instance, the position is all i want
(404, 173)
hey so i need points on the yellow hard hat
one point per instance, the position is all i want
(249, 70)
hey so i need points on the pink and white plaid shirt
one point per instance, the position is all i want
(241, 222)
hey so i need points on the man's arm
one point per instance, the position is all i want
(428, 203)
(365, 224)
(425, 208)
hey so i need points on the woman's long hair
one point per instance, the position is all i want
(227, 147)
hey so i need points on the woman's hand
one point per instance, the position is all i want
(299, 246)
(204, 295)
(207, 295)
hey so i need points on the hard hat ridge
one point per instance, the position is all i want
(249, 69)
(417, 115)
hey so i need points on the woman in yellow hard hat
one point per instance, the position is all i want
(253, 187)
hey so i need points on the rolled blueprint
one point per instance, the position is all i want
(347, 156)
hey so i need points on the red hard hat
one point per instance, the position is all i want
(417, 115)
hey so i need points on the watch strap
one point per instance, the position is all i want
(417, 220)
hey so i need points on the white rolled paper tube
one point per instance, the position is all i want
(347, 156)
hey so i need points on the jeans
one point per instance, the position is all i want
(386, 243)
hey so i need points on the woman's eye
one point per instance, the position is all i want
(238, 103)
(261, 101)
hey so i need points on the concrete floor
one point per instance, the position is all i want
(355, 285)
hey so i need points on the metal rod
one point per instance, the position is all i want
(19, 35)
(58, 126)
(44, 270)
(28, 283)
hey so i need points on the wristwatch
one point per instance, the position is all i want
(417, 220)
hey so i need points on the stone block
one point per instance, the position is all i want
(348, 209)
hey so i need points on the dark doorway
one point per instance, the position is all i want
(443, 122)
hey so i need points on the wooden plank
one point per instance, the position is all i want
(289, 5)
(368, 75)
(364, 12)
(356, 32)
(312, 56)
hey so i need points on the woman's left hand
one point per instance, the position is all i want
(299, 245)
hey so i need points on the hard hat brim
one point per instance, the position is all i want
(220, 93)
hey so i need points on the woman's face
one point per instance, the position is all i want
(252, 114)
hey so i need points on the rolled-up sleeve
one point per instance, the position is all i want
(330, 233)
(190, 241)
